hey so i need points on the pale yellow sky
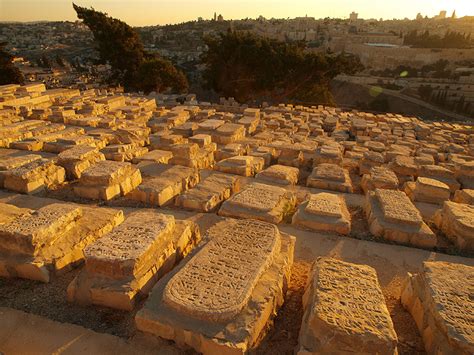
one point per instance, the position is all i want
(152, 12)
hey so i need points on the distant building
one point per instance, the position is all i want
(419, 17)
(354, 16)
(441, 16)
(454, 16)
(215, 16)
(220, 18)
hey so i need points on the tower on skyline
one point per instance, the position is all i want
(354, 16)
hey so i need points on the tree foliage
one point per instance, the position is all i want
(249, 67)
(157, 74)
(451, 39)
(9, 74)
(121, 47)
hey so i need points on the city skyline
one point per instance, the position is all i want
(152, 12)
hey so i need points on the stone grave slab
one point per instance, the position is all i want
(34, 176)
(456, 221)
(224, 297)
(260, 201)
(345, 311)
(51, 239)
(241, 165)
(124, 264)
(392, 216)
(330, 177)
(440, 300)
(279, 174)
(324, 212)
(209, 193)
(108, 179)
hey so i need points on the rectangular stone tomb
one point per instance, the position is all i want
(279, 174)
(241, 165)
(164, 184)
(324, 212)
(107, 179)
(12, 162)
(34, 176)
(35, 243)
(392, 216)
(428, 190)
(345, 311)
(222, 300)
(330, 177)
(379, 177)
(260, 201)
(439, 299)
(209, 193)
(456, 221)
(78, 159)
(128, 261)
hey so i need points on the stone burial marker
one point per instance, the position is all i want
(259, 201)
(34, 176)
(324, 212)
(79, 158)
(456, 221)
(440, 299)
(222, 299)
(35, 243)
(108, 179)
(209, 193)
(330, 177)
(392, 216)
(345, 311)
(131, 258)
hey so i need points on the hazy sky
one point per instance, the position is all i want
(151, 12)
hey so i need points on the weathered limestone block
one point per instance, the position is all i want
(191, 155)
(245, 166)
(465, 174)
(130, 259)
(223, 299)
(231, 150)
(345, 311)
(330, 177)
(330, 153)
(67, 249)
(428, 190)
(379, 177)
(34, 176)
(209, 193)
(440, 300)
(291, 157)
(259, 201)
(29, 232)
(168, 182)
(124, 152)
(464, 196)
(12, 162)
(404, 166)
(456, 221)
(441, 174)
(228, 133)
(279, 174)
(391, 215)
(156, 156)
(370, 159)
(324, 212)
(108, 179)
(77, 159)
